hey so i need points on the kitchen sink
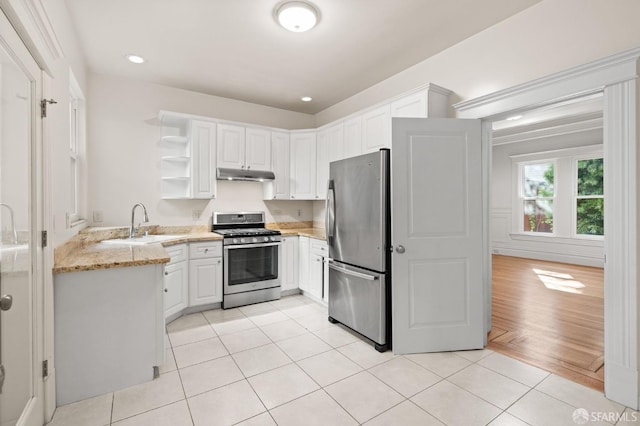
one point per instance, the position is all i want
(141, 240)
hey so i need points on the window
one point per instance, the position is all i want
(76, 151)
(589, 204)
(537, 196)
(559, 194)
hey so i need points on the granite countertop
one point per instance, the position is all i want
(86, 252)
(317, 233)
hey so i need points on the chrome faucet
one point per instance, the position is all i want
(133, 229)
(13, 223)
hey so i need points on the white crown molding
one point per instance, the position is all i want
(45, 28)
(572, 83)
(544, 130)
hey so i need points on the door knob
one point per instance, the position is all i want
(5, 302)
(400, 249)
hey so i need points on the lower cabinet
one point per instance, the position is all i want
(313, 264)
(205, 273)
(289, 262)
(193, 277)
(176, 280)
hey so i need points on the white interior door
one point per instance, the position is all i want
(437, 290)
(21, 276)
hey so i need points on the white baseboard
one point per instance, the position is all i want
(551, 257)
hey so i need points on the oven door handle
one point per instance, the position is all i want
(241, 246)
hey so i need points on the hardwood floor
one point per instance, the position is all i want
(550, 315)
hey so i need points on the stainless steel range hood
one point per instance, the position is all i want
(245, 174)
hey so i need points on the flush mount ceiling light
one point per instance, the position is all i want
(136, 59)
(306, 99)
(297, 16)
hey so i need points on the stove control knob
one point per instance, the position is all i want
(266, 238)
(242, 240)
(273, 238)
(255, 240)
(235, 241)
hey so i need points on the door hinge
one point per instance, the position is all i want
(44, 239)
(45, 368)
(43, 106)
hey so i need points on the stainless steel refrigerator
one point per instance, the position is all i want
(358, 235)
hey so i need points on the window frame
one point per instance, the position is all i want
(522, 198)
(76, 206)
(576, 197)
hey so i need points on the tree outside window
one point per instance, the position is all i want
(537, 197)
(590, 197)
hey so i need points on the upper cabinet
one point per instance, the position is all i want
(352, 137)
(279, 188)
(329, 148)
(376, 129)
(243, 147)
(303, 166)
(433, 101)
(188, 157)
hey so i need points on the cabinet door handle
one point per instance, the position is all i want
(166, 290)
(166, 273)
(219, 262)
(248, 167)
(206, 250)
(293, 196)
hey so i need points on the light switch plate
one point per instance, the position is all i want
(97, 216)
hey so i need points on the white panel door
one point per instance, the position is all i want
(376, 125)
(22, 213)
(258, 149)
(203, 153)
(438, 293)
(303, 166)
(231, 146)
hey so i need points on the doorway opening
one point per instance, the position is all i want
(547, 239)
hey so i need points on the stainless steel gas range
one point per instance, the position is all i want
(251, 258)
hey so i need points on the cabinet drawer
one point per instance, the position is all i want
(178, 253)
(204, 250)
(319, 247)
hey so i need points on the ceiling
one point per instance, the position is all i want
(235, 49)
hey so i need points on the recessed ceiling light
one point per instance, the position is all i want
(136, 59)
(514, 117)
(297, 16)
(306, 99)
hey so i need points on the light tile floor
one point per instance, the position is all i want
(283, 363)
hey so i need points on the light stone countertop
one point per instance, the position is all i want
(85, 252)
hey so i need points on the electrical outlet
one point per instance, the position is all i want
(195, 214)
(97, 216)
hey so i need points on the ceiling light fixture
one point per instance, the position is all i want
(306, 99)
(136, 59)
(514, 117)
(297, 16)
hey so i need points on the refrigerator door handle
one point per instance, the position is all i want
(330, 214)
(353, 273)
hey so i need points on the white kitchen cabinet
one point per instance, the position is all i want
(328, 148)
(376, 129)
(352, 137)
(258, 149)
(205, 273)
(303, 166)
(432, 101)
(278, 189)
(176, 281)
(244, 148)
(231, 146)
(203, 159)
(304, 256)
(316, 269)
(187, 157)
(289, 262)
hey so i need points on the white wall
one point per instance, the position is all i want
(123, 153)
(551, 36)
